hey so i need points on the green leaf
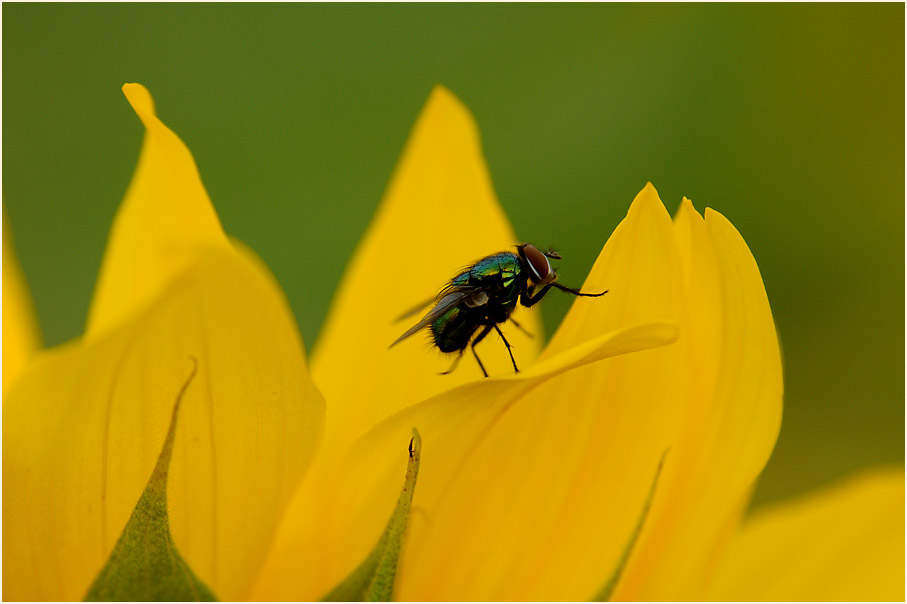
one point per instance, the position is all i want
(373, 580)
(604, 594)
(144, 564)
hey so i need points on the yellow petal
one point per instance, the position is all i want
(455, 427)
(21, 335)
(83, 425)
(165, 214)
(439, 214)
(845, 543)
(730, 398)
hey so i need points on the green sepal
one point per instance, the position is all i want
(373, 580)
(604, 594)
(145, 564)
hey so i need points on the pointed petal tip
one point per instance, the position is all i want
(715, 218)
(648, 192)
(444, 107)
(715, 214)
(687, 209)
(139, 98)
(441, 91)
(442, 95)
(646, 200)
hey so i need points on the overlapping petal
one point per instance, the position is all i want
(845, 543)
(730, 399)
(83, 426)
(21, 335)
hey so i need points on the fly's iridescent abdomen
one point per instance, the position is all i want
(453, 330)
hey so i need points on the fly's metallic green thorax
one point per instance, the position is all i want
(499, 275)
(485, 294)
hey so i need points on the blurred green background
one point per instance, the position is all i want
(788, 119)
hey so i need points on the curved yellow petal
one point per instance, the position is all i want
(21, 334)
(166, 213)
(83, 425)
(439, 213)
(456, 427)
(730, 398)
(845, 543)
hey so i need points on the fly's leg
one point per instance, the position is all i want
(576, 292)
(521, 328)
(482, 334)
(455, 363)
(507, 344)
(530, 300)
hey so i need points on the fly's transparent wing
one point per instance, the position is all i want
(454, 297)
(415, 309)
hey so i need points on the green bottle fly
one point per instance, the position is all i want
(484, 295)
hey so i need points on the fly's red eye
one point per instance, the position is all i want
(538, 264)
